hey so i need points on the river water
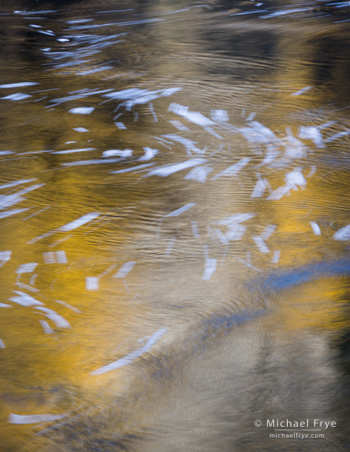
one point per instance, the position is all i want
(175, 226)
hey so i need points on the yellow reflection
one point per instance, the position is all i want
(320, 305)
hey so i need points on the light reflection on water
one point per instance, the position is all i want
(174, 225)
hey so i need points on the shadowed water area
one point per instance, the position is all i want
(174, 209)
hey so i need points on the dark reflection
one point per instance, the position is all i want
(336, 9)
(341, 340)
(255, 43)
(331, 68)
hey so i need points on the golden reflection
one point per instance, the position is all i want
(316, 306)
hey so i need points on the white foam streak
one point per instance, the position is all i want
(46, 327)
(189, 145)
(18, 85)
(200, 173)
(22, 419)
(306, 88)
(167, 170)
(210, 268)
(81, 110)
(315, 227)
(125, 269)
(17, 96)
(260, 243)
(26, 268)
(79, 222)
(343, 233)
(276, 257)
(149, 154)
(24, 299)
(192, 116)
(72, 151)
(233, 169)
(4, 257)
(179, 211)
(129, 358)
(118, 153)
(312, 133)
(259, 188)
(92, 283)
(57, 319)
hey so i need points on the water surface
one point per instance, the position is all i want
(175, 225)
